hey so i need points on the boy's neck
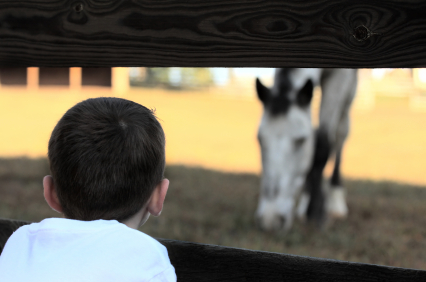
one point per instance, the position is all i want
(138, 219)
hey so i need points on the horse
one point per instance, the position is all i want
(294, 153)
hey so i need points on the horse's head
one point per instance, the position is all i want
(286, 140)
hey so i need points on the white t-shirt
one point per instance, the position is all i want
(58, 249)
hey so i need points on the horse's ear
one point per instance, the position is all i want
(263, 92)
(304, 96)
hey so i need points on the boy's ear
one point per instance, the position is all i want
(50, 194)
(155, 205)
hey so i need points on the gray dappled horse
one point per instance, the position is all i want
(294, 154)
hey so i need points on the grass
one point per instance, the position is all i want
(386, 224)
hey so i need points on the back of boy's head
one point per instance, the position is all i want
(106, 157)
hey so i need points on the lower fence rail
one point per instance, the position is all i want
(201, 262)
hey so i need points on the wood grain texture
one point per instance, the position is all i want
(213, 33)
(200, 262)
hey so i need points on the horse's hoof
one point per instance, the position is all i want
(302, 207)
(336, 203)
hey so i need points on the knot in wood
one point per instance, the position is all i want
(78, 8)
(361, 33)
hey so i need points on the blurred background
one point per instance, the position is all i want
(210, 117)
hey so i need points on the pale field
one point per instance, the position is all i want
(215, 130)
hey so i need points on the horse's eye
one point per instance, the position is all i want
(298, 142)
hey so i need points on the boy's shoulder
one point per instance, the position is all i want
(117, 236)
(115, 247)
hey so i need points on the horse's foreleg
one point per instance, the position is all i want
(316, 208)
(336, 200)
(339, 88)
(336, 179)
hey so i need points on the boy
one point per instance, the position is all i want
(107, 162)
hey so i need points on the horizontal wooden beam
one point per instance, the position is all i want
(213, 33)
(200, 262)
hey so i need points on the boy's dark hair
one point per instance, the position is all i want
(106, 157)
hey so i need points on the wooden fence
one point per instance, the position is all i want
(222, 33)
(200, 262)
(213, 33)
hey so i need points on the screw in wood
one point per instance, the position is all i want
(362, 33)
(78, 8)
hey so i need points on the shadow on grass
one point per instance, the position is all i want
(386, 224)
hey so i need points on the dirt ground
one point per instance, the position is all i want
(385, 224)
(215, 130)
